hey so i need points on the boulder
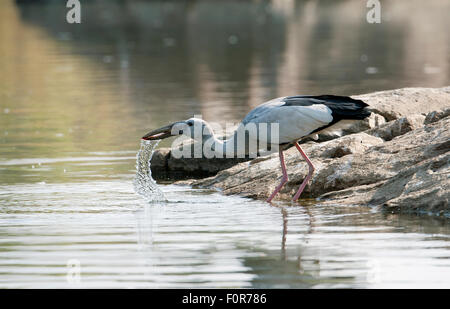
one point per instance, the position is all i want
(409, 173)
(398, 103)
(391, 105)
(391, 129)
(371, 122)
(258, 179)
(158, 163)
(397, 159)
(404, 109)
(423, 188)
(166, 167)
(437, 115)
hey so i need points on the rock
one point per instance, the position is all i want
(252, 180)
(199, 167)
(422, 188)
(165, 167)
(437, 115)
(373, 121)
(397, 127)
(394, 104)
(408, 173)
(385, 162)
(401, 106)
(401, 165)
(159, 163)
(355, 143)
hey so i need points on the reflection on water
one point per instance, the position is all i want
(75, 99)
(202, 239)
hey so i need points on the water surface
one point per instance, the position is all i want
(202, 239)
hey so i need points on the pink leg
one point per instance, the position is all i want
(311, 171)
(283, 180)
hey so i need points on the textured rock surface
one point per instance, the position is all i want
(394, 104)
(409, 173)
(391, 129)
(400, 161)
(166, 167)
(437, 115)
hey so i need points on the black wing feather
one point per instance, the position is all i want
(341, 107)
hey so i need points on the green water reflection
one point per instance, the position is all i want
(131, 66)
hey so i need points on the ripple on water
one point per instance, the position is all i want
(205, 239)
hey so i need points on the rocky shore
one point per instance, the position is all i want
(398, 159)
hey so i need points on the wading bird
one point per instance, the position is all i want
(296, 117)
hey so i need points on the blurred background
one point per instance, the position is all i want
(134, 65)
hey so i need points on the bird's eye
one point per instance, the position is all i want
(190, 124)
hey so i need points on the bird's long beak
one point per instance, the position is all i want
(160, 133)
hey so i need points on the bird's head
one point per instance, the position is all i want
(194, 128)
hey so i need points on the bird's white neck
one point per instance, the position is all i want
(220, 148)
(240, 145)
(245, 141)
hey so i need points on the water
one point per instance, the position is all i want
(75, 100)
(144, 184)
(202, 239)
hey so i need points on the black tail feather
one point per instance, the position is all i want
(342, 107)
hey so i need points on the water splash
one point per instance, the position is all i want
(144, 184)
